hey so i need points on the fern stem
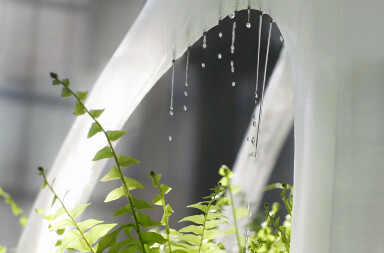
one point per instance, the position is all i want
(66, 210)
(164, 210)
(205, 221)
(234, 214)
(125, 187)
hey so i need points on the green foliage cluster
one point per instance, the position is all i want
(141, 233)
(270, 236)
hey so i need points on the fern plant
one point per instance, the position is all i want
(200, 237)
(139, 240)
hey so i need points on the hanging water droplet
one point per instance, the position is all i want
(204, 46)
(253, 140)
(185, 108)
(203, 65)
(231, 15)
(185, 93)
(219, 56)
(232, 49)
(232, 67)
(233, 84)
(220, 34)
(171, 112)
(281, 38)
(186, 84)
(170, 138)
(248, 24)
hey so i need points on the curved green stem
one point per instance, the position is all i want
(66, 210)
(125, 187)
(164, 210)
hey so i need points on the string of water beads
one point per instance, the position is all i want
(219, 56)
(262, 92)
(233, 49)
(186, 78)
(172, 87)
(204, 47)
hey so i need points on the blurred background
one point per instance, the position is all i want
(76, 39)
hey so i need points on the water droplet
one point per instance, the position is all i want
(232, 49)
(186, 84)
(220, 34)
(185, 108)
(253, 140)
(231, 15)
(171, 112)
(170, 138)
(281, 38)
(203, 65)
(204, 46)
(248, 25)
(219, 56)
(233, 84)
(185, 93)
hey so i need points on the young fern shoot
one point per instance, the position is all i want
(85, 233)
(160, 200)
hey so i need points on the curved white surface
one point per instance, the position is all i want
(337, 58)
(163, 30)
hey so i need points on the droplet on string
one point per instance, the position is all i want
(219, 56)
(203, 65)
(281, 38)
(233, 37)
(186, 84)
(185, 93)
(253, 140)
(232, 15)
(172, 87)
(232, 67)
(220, 34)
(248, 24)
(185, 108)
(204, 41)
(170, 138)
(233, 84)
